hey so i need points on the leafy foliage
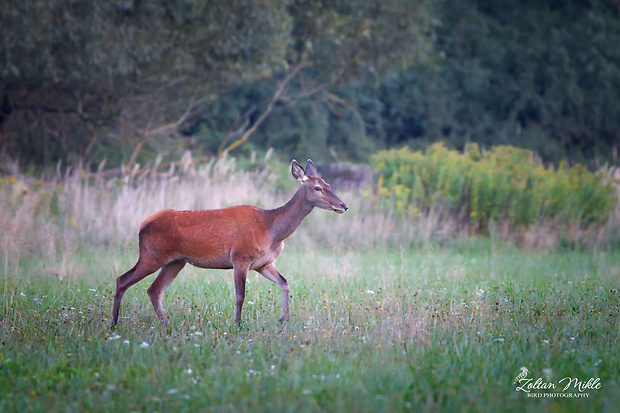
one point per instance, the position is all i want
(540, 75)
(89, 83)
(65, 64)
(505, 184)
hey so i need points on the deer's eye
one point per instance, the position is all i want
(317, 188)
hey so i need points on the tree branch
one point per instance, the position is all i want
(147, 132)
(306, 93)
(330, 97)
(240, 131)
(276, 96)
(172, 125)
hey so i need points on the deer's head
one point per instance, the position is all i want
(317, 192)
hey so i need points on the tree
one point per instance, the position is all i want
(333, 45)
(70, 70)
(538, 74)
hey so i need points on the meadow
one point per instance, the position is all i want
(377, 324)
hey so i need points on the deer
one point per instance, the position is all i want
(241, 238)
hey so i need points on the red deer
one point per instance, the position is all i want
(240, 238)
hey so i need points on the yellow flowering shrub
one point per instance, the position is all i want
(504, 183)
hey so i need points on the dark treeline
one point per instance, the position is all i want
(125, 80)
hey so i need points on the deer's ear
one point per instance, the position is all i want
(298, 171)
(311, 168)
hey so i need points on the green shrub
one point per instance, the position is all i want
(502, 184)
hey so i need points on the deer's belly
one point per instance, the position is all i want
(210, 263)
(254, 261)
(219, 261)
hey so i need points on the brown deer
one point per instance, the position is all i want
(240, 238)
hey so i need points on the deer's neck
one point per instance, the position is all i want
(285, 220)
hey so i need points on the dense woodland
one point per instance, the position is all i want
(334, 80)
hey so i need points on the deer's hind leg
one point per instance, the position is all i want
(167, 274)
(142, 269)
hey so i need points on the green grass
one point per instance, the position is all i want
(372, 331)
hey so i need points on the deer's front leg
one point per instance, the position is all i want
(240, 273)
(272, 274)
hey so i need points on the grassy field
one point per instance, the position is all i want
(370, 331)
(374, 327)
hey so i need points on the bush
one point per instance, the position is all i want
(502, 185)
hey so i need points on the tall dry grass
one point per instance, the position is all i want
(58, 215)
(68, 211)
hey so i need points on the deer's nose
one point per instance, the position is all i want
(344, 206)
